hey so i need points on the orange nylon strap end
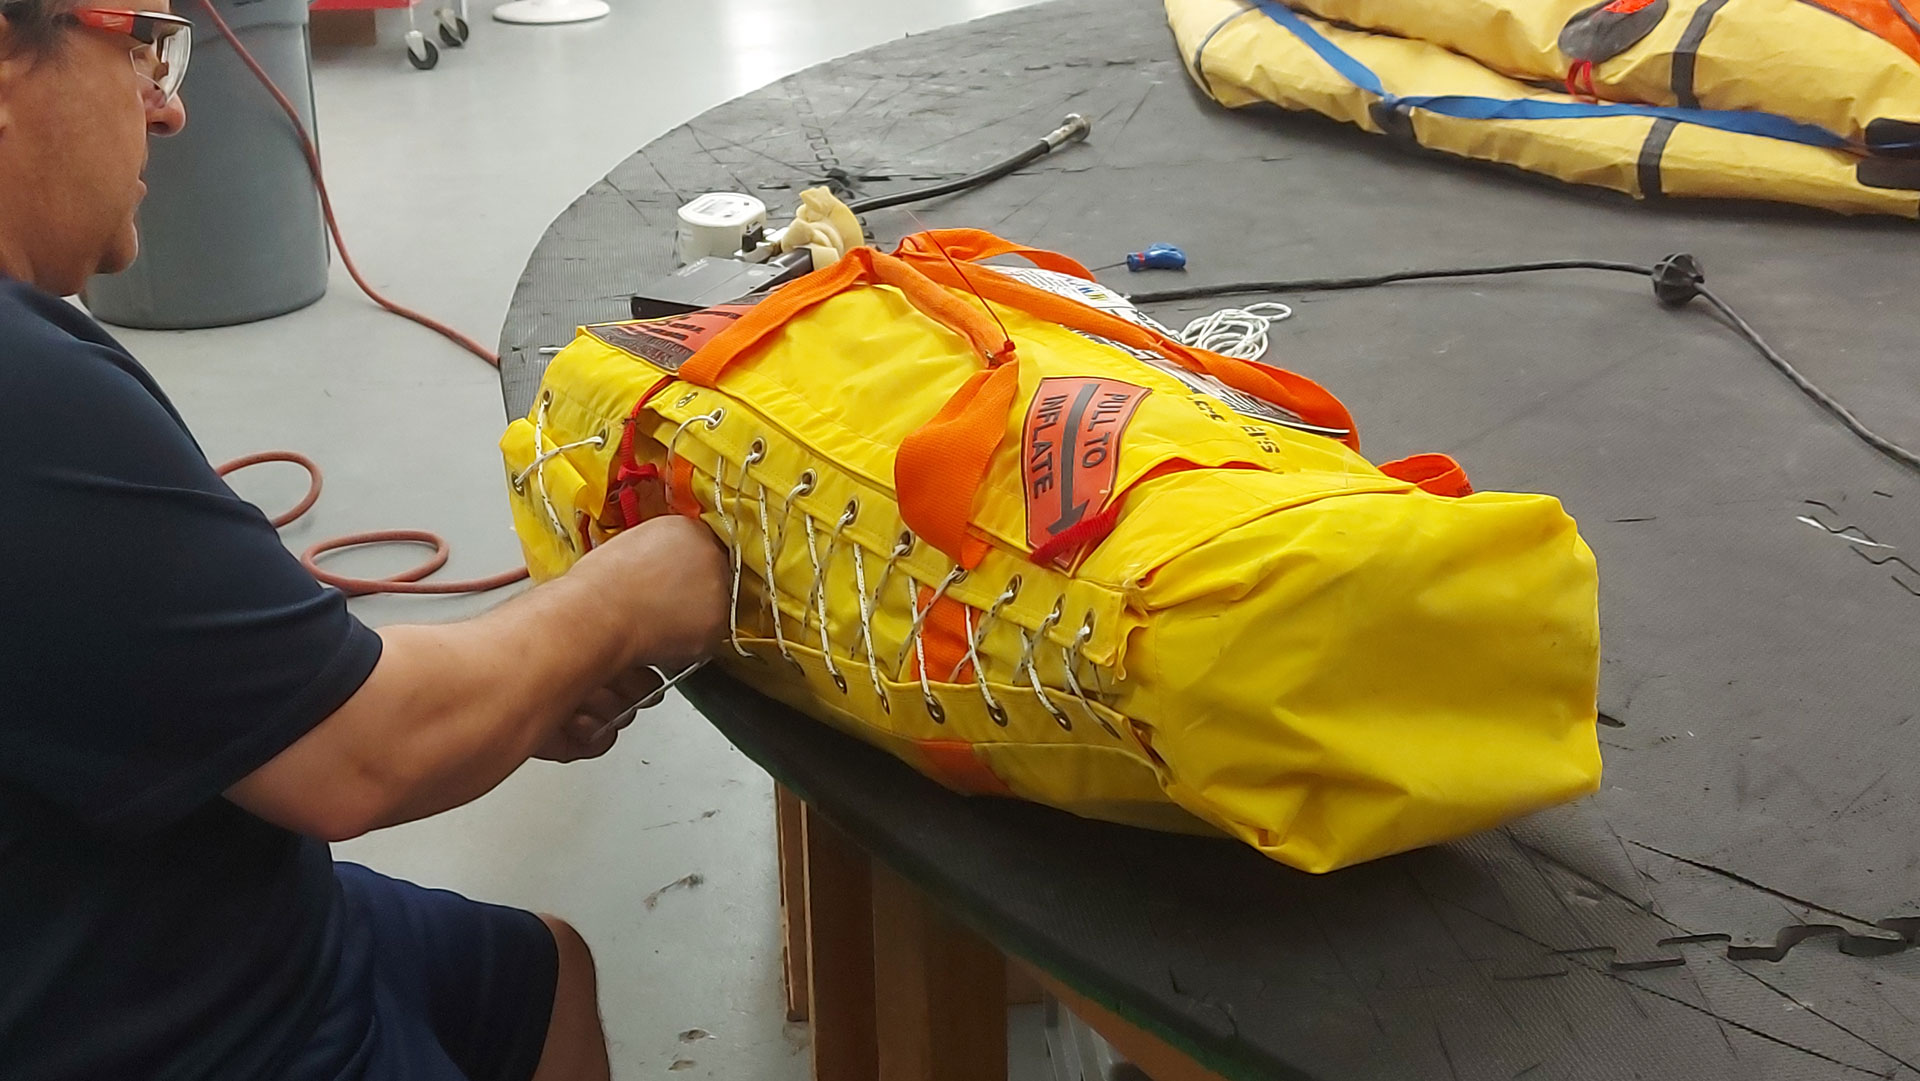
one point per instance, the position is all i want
(1438, 474)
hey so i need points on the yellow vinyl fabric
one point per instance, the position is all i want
(1840, 105)
(1269, 636)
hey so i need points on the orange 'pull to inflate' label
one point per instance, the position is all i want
(1070, 452)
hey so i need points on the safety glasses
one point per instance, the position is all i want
(162, 44)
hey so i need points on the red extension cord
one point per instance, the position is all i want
(408, 581)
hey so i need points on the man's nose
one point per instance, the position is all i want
(168, 119)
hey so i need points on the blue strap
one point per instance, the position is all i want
(1469, 107)
(1350, 69)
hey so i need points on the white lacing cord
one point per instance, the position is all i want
(1033, 673)
(1072, 657)
(537, 468)
(974, 638)
(901, 550)
(1236, 332)
(767, 547)
(712, 421)
(919, 647)
(754, 453)
(866, 611)
(818, 595)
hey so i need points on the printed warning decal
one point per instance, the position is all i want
(668, 343)
(1070, 453)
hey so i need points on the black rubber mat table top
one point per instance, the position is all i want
(1731, 904)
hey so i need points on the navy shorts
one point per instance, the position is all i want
(432, 987)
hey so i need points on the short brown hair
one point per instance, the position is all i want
(34, 26)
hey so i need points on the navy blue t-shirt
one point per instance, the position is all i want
(157, 644)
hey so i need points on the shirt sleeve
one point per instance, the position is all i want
(159, 641)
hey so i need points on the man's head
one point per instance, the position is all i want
(78, 100)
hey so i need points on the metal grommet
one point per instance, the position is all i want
(839, 680)
(714, 418)
(513, 481)
(935, 710)
(1013, 589)
(852, 512)
(886, 705)
(686, 399)
(807, 481)
(1065, 722)
(546, 398)
(756, 451)
(999, 714)
(905, 545)
(602, 435)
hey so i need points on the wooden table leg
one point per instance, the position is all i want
(840, 992)
(793, 899)
(940, 990)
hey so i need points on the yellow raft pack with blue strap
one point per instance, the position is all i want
(995, 522)
(1814, 102)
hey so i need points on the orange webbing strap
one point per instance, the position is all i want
(940, 466)
(958, 765)
(859, 265)
(973, 245)
(1306, 398)
(1435, 473)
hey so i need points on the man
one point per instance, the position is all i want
(186, 718)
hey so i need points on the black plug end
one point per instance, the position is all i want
(1676, 280)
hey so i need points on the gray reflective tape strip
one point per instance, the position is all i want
(1687, 52)
(1906, 16)
(1199, 69)
(1648, 167)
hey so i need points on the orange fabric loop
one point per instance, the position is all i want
(1303, 396)
(1435, 473)
(940, 466)
(973, 245)
(859, 265)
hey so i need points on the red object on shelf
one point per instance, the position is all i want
(358, 5)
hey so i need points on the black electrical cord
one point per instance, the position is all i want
(1676, 280)
(1324, 285)
(1073, 129)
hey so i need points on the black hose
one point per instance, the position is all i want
(1074, 129)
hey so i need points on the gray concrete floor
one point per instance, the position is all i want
(443, 181)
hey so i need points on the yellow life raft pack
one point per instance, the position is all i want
(1804, 101)
(996, 522)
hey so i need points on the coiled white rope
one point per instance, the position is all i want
(1236, 332)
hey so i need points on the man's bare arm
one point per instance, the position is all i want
(450, 711)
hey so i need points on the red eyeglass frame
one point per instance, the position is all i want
(149, 28)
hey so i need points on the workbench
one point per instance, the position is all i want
(1738, 900)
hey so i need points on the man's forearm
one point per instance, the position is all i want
(485, 693)
(450, 711)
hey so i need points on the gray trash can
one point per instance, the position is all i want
(231, 229)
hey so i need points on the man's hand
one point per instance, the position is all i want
(592, 729)
(682, 613)
(681, 621)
